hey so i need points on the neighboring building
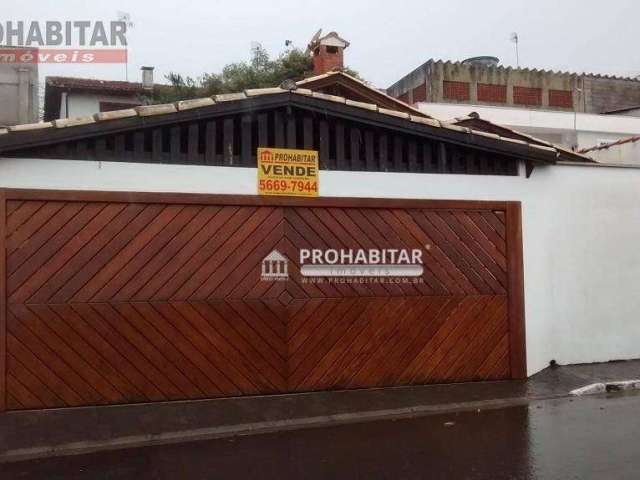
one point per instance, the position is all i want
(18, 89)
(569, 129)
(625, 151)
(482, 81)
(67, 97)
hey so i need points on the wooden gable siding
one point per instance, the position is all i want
(232, 140)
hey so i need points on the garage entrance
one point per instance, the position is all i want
(115, 298)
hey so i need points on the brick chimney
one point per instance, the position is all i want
(327, 52)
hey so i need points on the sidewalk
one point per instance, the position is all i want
(39, 434)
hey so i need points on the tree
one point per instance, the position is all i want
(259, 72)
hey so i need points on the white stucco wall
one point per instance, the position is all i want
(581, 235)
(565, 128)
(85, 104)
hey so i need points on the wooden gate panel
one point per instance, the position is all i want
(114, 298)
(355, 343)
(93, 354)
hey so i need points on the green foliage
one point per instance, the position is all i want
(259, 72)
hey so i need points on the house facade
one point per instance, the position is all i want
(141, 265)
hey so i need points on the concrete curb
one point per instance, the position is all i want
(212, 433)
(596, 388)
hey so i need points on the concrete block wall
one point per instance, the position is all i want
(558, 90)
(18, 91)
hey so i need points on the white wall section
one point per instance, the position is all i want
(581, 229)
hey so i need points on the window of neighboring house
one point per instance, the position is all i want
(455, 90)
(332, 49)
(420, 93)
(488, 92)
(561, 98)
(527, 96)
(111, 106)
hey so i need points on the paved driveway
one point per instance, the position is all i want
(584, 438)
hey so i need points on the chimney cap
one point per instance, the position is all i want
(147, 68)
(331, 39)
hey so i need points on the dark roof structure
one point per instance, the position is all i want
(227, 129)
(474, 121)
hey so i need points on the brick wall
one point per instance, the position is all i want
(527, 96)
(420, 93)
(561, 98)
(492, 93)
(455, 90)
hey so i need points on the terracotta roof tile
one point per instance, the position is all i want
(115, 114)
(113, 86)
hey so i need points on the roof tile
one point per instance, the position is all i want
(150, 110)
(427, 121)
(115, 114)
(72, 122)
(367, 106)
(194, 103)
(94, 84)
(394, 113)
(254, 92)
(30, 126)
(331, 98)
(303, 91)
(229, 97)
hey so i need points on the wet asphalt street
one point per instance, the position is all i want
(585, 438)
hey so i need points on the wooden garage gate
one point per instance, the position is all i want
(113, 298)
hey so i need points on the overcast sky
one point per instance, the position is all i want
(388, 38)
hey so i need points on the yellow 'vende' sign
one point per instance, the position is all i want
(284, 171)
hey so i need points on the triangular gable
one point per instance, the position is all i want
(344, 85)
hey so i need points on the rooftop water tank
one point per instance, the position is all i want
(482, 61)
